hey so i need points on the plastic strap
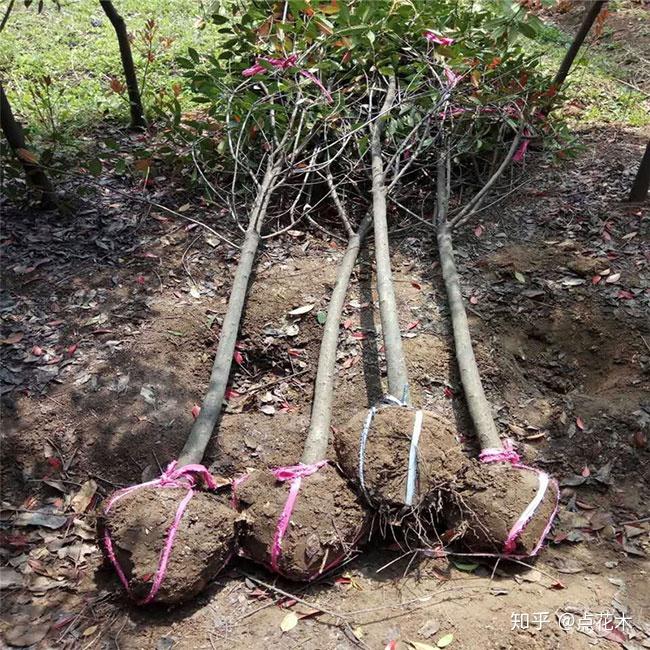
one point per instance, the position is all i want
(411, 477)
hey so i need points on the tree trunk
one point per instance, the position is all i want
(321, 413)
(35, 174)
(477, 403)
(641, 183)
(388, 314)
(569, 57)
(138, 120)
(206, 421)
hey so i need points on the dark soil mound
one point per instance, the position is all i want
(138, 525)
(439, 459)
(327, 522)
(492, 499)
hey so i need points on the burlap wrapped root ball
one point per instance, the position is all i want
(492, 499)
(138, 525)
(326, 524)
(385, 461)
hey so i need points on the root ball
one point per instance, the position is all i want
(386, 458)
(138, 524)
(327, 522)
(492, 499)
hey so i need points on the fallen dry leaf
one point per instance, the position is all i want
(26, 635)
(83, 498)
(289, 622)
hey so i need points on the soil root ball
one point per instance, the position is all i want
(138, 526)
(492, 500)
(326, 524)
(386, 456)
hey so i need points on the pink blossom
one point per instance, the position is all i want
(452, 77)
(283, 64)
(436, 39)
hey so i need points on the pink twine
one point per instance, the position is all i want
(184, 477)
(283, 64)
(507, 454)
(293, 473)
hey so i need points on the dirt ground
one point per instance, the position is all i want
(107, 351)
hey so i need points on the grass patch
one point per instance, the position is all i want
(76, 47)
(595, 89)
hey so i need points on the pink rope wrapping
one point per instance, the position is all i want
(184, 477)
(283, 64)
(507, 454)
(293, 473)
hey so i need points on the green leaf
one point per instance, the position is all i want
(371, 37)
(444, 641)
(94, 166)
(527, 30)
(321, 317)
(465, 566)
(194, 55)
(520, 277)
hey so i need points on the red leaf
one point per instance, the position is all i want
(580, 423)
(415, 285)
(360, 336)
(15, 540)
(616, 635)
(37, 352)
(449, 394)
(347, 324)
(140, 279)
(55, 463)
(585, 471)
(239, 359)
(479, 230)
(596, 279)
(343, 580)
(295, 352)
(473, 300)
(558, 585)
(232, 394)
(412, 325)
(72, 349)
(625, 295)
(196, 409)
